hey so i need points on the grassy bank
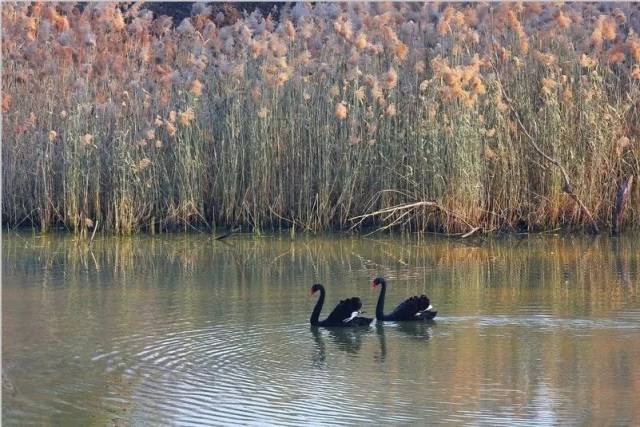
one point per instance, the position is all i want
(438, 117)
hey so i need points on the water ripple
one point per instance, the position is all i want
(157, 334)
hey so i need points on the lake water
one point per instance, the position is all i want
(186, 330)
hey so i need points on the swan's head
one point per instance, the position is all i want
(377, 282)
(315, 288)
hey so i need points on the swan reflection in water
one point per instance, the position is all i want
(414, 330)
(350, 340)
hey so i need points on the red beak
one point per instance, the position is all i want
(373, 285)
(310, 292)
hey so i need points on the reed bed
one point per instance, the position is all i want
(441, 117)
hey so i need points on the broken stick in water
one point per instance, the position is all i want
(228, 233)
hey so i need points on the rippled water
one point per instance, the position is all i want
(185, 330)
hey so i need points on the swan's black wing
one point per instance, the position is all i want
(344, 310)
(411, 308)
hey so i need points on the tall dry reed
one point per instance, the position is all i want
(115, 117)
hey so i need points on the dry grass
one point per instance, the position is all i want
(112, 117)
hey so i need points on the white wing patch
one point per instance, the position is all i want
(353, 316)
(420, 313)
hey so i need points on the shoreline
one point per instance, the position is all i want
(224, 232)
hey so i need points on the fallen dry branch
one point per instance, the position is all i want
(472, 232)
(228, 233)
(394, 209)
(405, 210)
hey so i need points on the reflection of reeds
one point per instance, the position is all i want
(509, 266)
(114, 116)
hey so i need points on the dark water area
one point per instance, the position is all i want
(186, 330)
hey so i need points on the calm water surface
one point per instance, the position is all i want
(185, 330)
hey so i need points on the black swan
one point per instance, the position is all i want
(344, 315)
(412, 309)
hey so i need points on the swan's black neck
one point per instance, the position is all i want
(315, 314)
(380, 306)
